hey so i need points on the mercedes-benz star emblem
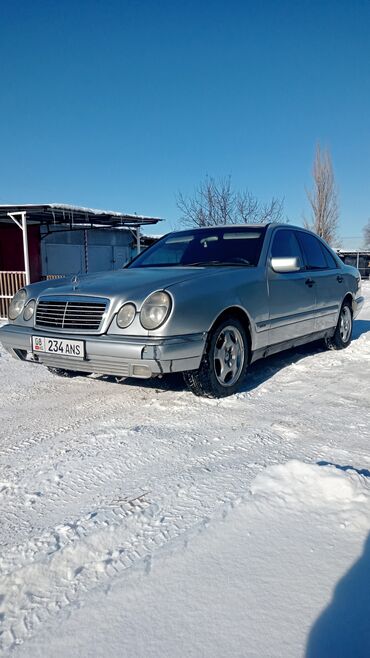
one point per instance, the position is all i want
(75, 281)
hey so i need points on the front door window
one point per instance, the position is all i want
(285, 245)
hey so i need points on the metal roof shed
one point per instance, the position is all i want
(76, 217)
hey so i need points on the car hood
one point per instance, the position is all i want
(127, 283)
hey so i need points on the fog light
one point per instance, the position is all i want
(141, 371)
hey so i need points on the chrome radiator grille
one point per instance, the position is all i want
(63, 314)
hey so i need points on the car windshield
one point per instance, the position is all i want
(215, 247)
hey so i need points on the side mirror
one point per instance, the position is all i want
(284, 265)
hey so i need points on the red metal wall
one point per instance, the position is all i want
(11, 249)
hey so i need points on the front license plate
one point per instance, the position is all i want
(75, 348)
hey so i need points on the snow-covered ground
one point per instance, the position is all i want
(138, 520)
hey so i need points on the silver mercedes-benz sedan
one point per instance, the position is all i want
(205, 302)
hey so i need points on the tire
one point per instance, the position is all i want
(60, 372)
(343, 333)
(224, 362)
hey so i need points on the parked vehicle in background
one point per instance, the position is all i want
(206, 302)
(358, 259)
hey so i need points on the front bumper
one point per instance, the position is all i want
(111, 355)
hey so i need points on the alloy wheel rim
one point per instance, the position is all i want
(345, 324)
(228, 356)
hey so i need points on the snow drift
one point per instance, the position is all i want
(341, 489)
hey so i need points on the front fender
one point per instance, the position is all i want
(197, 305)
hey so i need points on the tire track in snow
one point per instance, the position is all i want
(55, 569)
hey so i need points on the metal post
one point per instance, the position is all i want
(138, 247)
(358, 259)
(25, 249)
(23, 226)
(86, 252)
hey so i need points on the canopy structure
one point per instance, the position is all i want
(75, 217)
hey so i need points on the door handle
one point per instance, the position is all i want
(309, 282)
(339, 278)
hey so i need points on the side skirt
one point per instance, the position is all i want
(290, 344)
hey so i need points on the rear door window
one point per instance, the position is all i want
(314, 255)
(332, 263)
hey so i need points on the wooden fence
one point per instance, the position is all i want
(10, 282)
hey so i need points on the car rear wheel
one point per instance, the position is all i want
(343, 333)
(61, 372)
(224, 361)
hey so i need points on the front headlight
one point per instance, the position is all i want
(16, 306)
(155, 310)
(126, 315)
(29, 310)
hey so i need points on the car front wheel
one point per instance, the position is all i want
(224, 361)
(343, 333)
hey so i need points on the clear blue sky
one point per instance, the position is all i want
(120, 104)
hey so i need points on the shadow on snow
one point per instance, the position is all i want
(361, 471)
(360, 327)
(343, 628)
(258, 372)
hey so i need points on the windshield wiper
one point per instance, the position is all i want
(219, 263)
(201, 263)
(157, 265)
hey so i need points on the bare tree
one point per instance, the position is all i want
(251, 211)
(367, 235)
(216, 203)
(323, 199)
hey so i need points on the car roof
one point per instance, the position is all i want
(237, 226)
(220, 226)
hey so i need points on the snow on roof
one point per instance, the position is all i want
(95, 211)
(353, 251)
(67, 213)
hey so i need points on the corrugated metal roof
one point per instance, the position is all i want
(62, 213)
